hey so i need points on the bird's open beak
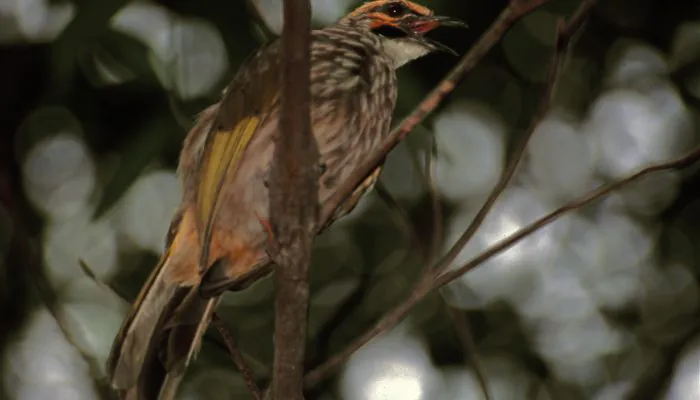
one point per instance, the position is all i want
(423, 25)
(428, 23)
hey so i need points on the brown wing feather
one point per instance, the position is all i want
(164, 328)
(249, 102)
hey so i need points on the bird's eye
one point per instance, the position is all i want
(395, 10)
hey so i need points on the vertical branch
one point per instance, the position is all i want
(293, 204)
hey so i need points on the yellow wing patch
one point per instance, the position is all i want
(220, 162)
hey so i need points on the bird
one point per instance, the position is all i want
(219, 235)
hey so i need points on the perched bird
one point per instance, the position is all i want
(218, 238)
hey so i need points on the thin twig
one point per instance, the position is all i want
(677, 164)
(399, 215)
(510, 170)
(435, 203)
(397, 314)
(388, 321)
(237, 357)
(458, 318)
(515, 10)
(340, 315)
(87, 270)
(565, 31)
(293, 204)
(466, 340)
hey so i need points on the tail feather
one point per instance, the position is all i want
(185, 332)
(184, 341)
(163, 332)
(150, 360)
(128, 354)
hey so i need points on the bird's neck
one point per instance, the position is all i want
(403, 51)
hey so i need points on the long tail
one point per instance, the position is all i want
(163, 332)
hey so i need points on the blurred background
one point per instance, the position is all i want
(96, 98)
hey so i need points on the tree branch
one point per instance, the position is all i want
(676, 164)
(237, 357)
(512, 167)
(293, 204)
(398, 313)
(435, 278)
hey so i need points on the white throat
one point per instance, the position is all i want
(403, 51)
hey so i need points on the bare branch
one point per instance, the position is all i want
(397, 314)
(510, 170)
(458, 318)
(293, 204)
(401, 218)
(431, 281)
(237, 357)
(466, 340)
(435, 203)
(677, 164)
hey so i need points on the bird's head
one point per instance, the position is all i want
(402, 25)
